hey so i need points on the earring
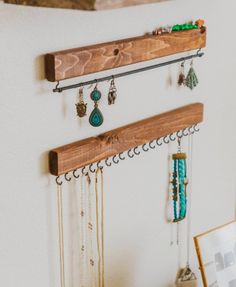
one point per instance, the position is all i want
(81, 107)
(112, 92)
(96, 117)
(191, 79)
(179, 184)
(181, 79)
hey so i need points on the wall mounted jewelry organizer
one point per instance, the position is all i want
(113, 143)
(91, 59)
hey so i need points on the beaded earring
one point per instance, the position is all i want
(191, 80)
(81, 107)
(96, 117)
(112, 92)
(181, 79)
(179, 183)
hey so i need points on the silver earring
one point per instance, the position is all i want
(112, 92)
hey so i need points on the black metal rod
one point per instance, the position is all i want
(123, 74)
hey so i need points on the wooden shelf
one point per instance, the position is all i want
(90, 150)
(91, 59)
(82, 4)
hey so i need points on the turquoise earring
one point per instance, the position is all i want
(179, 184)
(96, 117)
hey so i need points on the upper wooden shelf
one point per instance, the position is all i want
(91, 59)
(82, 4)
(90, 150)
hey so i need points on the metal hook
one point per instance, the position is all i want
(90, 168)
(106, 162)
(150, 145)
(158, 143)
(185, 134)
(198, 52)
(66, 177)
(57, 180)
(195, 128)
(145, 148)
(98, 165)
(179, 135)
(121, 157)
(129, 155)
(82, 171)
(57, 85)
(191, 132)
(166, 140)
(74, 174)
(135, 151)
(171, 138)
(115, 161)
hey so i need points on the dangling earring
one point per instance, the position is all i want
(96, 117)
(191, 79)
(112, 92)
(179, 183)
(181, 79)
(81, 107)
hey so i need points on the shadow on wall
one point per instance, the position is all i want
(40, 68)
(43, 164)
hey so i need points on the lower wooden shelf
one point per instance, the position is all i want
(84, 152)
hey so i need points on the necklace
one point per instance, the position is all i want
(99, 189)
(61, 233)
(83, 247)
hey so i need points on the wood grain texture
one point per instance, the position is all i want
(82, 4)
(87, 151)
(91, 59)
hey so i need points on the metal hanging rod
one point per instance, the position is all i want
(123, 74)
(130, 154)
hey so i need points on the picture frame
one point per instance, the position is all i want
(216, 250)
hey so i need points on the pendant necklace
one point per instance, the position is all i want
(186, 275)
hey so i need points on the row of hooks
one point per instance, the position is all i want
(130, 153)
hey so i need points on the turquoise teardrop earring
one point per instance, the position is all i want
(191, 80)
(179, 184)
(96, 117)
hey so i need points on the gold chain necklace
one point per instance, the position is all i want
(100, 224)
(61, 234)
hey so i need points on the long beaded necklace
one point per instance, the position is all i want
(179, 184)
(186, 276)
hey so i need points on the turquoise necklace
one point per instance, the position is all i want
(179, 184)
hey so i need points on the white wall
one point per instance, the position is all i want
(33, 120)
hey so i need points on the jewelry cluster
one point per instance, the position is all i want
(96, 118)
(199, 24)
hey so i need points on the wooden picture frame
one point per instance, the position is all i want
(216, 250)
(82, 4)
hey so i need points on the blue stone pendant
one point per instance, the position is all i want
(96, 118)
